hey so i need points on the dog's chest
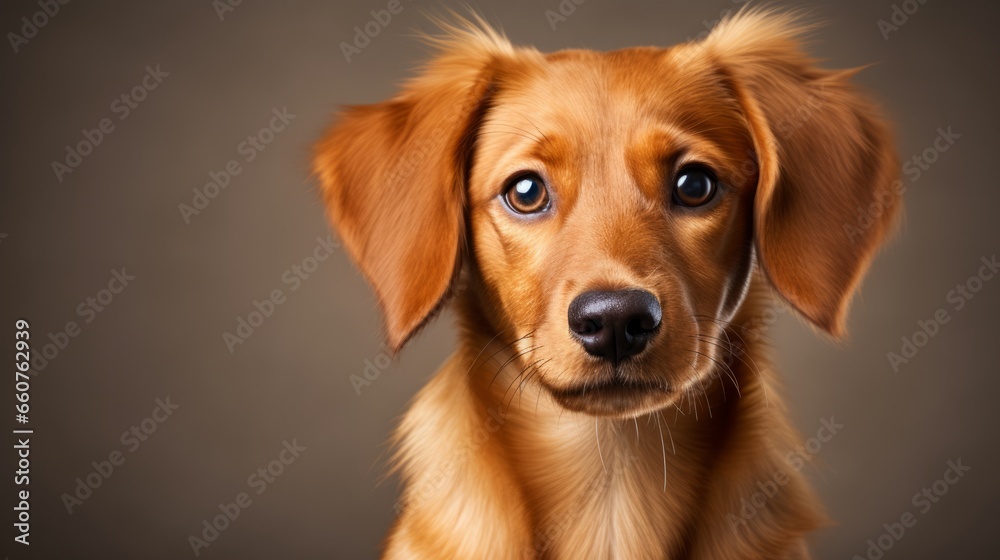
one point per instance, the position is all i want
(616, 508)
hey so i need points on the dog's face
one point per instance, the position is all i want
(610, 204)
(612, 207)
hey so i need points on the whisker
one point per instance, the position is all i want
(725, 327)
(752, 365)
(509, 345)
(511, 384)
(729, 371)
(722, 384)
(731, 350)
(538, 395)
(671, 436)
(663, 451)
(597, 433)
(468, 373)
(708, 403)
(533, 370)
(487, 345)
(509, 360)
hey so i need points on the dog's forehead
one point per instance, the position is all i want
(587, 92)
(645, 104)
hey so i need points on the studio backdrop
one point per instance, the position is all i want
(207, 376)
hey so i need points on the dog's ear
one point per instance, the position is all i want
(827, 189)
(392, 176)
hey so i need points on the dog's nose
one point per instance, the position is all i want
(614, 325)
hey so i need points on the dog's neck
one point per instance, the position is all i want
(624, 487)
(562, 484)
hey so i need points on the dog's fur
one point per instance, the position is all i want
(501, 454)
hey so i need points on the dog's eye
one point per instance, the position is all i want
(694, 186)
(527, 194)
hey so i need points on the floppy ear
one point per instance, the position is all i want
(392, 176)
(827, 191)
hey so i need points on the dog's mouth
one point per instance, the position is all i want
(613, 397)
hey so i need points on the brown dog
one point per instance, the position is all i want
(612, 225)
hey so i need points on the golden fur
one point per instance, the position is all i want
(500, 455)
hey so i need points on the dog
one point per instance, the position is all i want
(610, 227)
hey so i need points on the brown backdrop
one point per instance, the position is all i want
(217, 81)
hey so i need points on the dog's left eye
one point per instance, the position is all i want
(694, 186)
(527, 194)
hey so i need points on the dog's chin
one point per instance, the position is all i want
(614, 398)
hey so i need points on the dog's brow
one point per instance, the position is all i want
(550, 150)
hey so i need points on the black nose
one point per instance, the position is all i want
(614, 325)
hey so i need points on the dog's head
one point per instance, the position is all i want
(613, 207)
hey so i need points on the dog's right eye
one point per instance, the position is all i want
(694, 186)
(527, 194)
